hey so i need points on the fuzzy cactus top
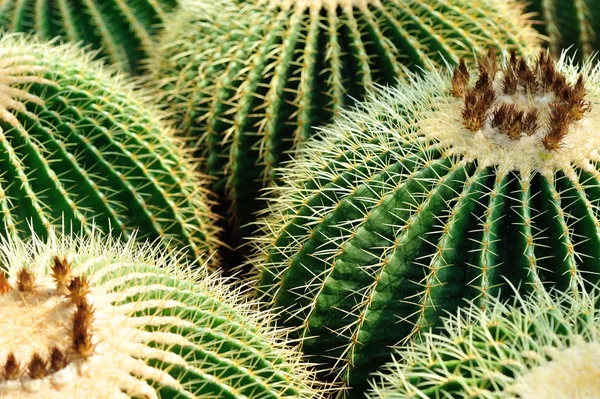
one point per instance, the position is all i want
(120, 32)
(251, 79)
(94, 318)
(79, 145)
(546, 345)
(429, 193)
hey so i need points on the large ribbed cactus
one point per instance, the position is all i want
(92, 318)
(252, 78)
(77, 145)
(539, 346)
(122, 30)
(568, 23)
(428, 194)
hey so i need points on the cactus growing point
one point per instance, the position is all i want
(429, 193)
(121, 31)
(78, 144)
(251, 79)
(545, 345)
(98, 318)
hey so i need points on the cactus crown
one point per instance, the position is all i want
(251, 79)
(520, 115)
(544, 345)
(400, 211)
(97, 318)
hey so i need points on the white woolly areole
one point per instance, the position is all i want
(573, 373)
(118, 366)
(442, 121)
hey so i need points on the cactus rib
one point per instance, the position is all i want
(120, 31)
(418, 199)
(544, 345)
(78, 143)
(250, 80)
(98, 318)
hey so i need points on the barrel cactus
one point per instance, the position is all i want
(429, 193)
(121, 31)
(251, 79)
(539, 346)
(568, 23)
(80, 147)
(96, 318)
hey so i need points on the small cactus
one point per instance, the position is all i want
(568, 23)
(120, 31)
(78, 145)
(546, 345)
(251, 79)
(98, 318)
(429, 193)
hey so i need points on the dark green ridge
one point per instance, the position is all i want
(88, 150)
(492, 230)
(268, 76)
(494, 351)
(379, 229)
(223, 342)
(164, 330)
(123, 31)
(568, 23)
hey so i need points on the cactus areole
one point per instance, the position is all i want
(252, 79)
(79, 145)
(98, 319)
(545, 345)
(430, 193)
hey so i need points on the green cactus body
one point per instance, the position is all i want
(421, 198)
(569, 23)
(95, 318)
(122, 31)
(77, 145)
(252, 79)
(539, 346)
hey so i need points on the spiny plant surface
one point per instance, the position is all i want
(96, 318)
(121, 31)
(251, 79)
(429, 193)
(79, 146)
(568, 23)
(546, 345)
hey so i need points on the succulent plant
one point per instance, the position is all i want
(429, 193)
(120, 31)
(251, 79)
(97, 318)
(539, 346)
(78, 145)
(568, 23)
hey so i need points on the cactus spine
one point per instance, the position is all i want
(78, 145)
(95, 318)
(251, 79)
(539, 346)
(122, 31)
(429, 193)
(569, 23)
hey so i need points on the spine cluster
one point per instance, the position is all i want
(75, 289)
(485, 100)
